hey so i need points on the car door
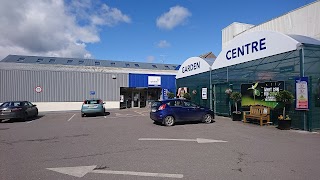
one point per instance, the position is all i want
(176, 108)
(33, 109)
(27, 107)
(188, 111)
(193, 111)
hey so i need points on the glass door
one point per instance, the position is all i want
(136, 99)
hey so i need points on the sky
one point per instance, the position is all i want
(154, 31)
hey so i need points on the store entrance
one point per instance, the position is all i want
(138, 97)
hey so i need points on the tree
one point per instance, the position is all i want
(236, 97)
(286, 97)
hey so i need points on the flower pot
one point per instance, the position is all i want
(284, 124)
(236, 116)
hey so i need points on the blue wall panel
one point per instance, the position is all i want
(141, 80)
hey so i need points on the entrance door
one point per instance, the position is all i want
(136, 99)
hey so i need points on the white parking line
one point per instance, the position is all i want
(71, 117)
(29, 122)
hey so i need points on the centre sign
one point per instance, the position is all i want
(254, 45)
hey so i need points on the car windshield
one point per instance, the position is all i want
(92, 102)
(12, 104)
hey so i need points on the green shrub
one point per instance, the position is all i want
(170, 95)
(187, 96)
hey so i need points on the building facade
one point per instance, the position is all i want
(64, 83)
(271, 55)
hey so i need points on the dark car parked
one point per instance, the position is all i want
(18, 110)
(170, 111)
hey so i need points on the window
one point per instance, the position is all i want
(136, 65)
(69, 61)
(189, 104)
(52, 60)
(167, 67)
(175, 103)
(154, 66)
(113, 64)
(93, 101)
(39, 60)
(81, 62)
(127, 65)
(97, 63)
(21, 59)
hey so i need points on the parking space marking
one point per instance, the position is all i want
(71, 117)
(141, 112)
(29, 122)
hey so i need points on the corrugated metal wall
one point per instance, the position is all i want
(60, 86)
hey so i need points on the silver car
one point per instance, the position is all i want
(17, 110)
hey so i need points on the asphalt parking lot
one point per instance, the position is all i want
(126, 144)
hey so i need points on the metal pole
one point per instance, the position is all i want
(227, 74)
(302, 75)
(210, 91)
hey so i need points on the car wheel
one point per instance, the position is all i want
(168, 121)
(207, 118)
(36, 114)
(82, 115)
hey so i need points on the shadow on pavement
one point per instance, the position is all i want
(22, 120)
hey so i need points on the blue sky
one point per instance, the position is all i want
(128, 30)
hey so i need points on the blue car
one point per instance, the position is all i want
(92, 106)
(170, 111)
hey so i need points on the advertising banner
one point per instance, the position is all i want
(302, 99)
(261, 93)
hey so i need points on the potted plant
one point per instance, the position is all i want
(236, 97)
(170, 95)
(187, 96)
(285, 97)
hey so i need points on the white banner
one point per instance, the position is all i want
(154, 80)
(204, 93)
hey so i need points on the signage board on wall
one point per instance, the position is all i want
(302, 99)
(261, 93)
(204, 93)
(154, 80)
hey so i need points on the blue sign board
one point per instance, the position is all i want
(92, 92)
(164, 93)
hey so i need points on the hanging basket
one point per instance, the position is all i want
(228, 91)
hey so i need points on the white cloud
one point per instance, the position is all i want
(53, 27)
(150, 59)
(176, 16)
(163, 44)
